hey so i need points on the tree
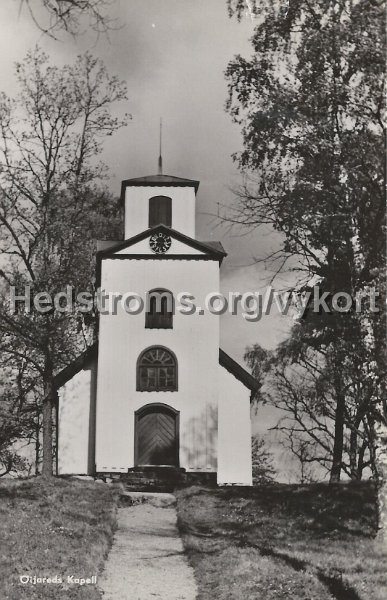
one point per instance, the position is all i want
(17, 417)
(52, 203)
(304, 452)
(263, 462)
(12, 429)
(309, 101)
(258, 360)
(54, 16)
(303, 386)
(297, 380)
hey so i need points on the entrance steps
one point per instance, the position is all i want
(159, 500)
(154, 479)
(159, 479)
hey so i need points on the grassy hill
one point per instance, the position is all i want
(53, 529)
(276, 542)
(281, 542)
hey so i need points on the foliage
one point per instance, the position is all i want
(17, 415)
(300, 382)
(54, 16)
(262, 459)
(309, 101)
(53, 204)
(258, 360)
(12, 462)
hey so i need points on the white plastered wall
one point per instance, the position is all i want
(137, 208)
(234, 431)
(76, 423)
(195, 341)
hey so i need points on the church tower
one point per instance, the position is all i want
(161, 392)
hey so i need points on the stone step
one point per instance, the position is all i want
(153, 487)
(151, 477)
(162, 500)
(159, 479)
(154, 473)
(143, 480)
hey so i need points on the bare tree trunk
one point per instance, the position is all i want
(338, 445)
(356, 453)
(48, 403)
(381, 461)
(380, 427)
(360, 460)
(37, 441)
(353, 454)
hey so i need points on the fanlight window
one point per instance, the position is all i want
(160, 308)
(157, 370)
(160, 211)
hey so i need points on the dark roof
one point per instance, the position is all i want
(239, 372)
(92, 352)
(77, 365)
(214, 249)
(158, 180)
(112, 244)
(105, 244)
(215, 245)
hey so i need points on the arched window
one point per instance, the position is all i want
(159, 309)
(157, 370)
(160, 211)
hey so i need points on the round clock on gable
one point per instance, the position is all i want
(160, 242)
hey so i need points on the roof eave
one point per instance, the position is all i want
(108, 252)
(76, 366)
(238, 371)
(91, 353)
(140, 182)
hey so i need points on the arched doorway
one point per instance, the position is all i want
(156, 436)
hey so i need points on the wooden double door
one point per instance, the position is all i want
(156, 436)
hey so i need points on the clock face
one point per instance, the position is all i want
(160, 242)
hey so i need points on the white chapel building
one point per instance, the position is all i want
(156, 390)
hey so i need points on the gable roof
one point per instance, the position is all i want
(157, 181)
(239, 372)
(105, 244)
(92, 353)
(215, 246)
(76, 366)
(214, 250)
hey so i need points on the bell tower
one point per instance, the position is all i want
(159, 199)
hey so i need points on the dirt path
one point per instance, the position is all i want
(147, 560)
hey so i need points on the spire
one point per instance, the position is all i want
(160, 155)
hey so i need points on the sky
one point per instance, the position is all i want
(172, 54)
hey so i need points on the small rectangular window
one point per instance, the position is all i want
(159, 314)
(160, 211)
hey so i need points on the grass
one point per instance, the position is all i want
(63, 527)
(276, 542)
